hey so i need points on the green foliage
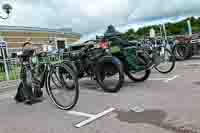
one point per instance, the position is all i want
(178, 28)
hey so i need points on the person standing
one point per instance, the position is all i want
(25, 89)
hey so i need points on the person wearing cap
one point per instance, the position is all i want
(111, 31)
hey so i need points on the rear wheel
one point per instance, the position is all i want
(110, 76)
(57, 87)
(139, 76)
(181, 51)
(190, 52)
(167, 62)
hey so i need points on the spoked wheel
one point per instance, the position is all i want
(139, 76)
(181, 52)
(110, 76)
(59, 79)
(167, 62)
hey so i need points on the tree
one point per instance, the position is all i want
(177, 28)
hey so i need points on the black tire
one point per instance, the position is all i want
(190, 54)
(143, 61)
(72, 65)
(140, 79)
(74, 68)
(110, 66)
(50, 89)
(172, 60)
(181, 51)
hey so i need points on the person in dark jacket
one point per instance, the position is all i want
(120, 40)
(25, 91)
(111, 31)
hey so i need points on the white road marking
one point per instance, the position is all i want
(7, 95)
(137, 109)
(169, 79)
(186, 64)
(157, 79)
(166, 80)
(94, 118)
(8, 86)
(80, 114)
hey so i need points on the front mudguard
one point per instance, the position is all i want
(109, 59)
(72, 65)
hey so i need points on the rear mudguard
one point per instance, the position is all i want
(108, 59)
(112, 59)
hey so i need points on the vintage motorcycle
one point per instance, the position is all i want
(90, 61)
(136, 65)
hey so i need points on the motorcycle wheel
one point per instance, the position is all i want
(171, 60)
(134, 77)
(72, 66)
(137, 76)
(181, 52)
(190, 52)
(107, 69)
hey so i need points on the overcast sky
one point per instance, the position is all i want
(87, 16)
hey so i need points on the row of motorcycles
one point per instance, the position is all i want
(107, 59)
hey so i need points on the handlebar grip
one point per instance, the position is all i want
(25, 44)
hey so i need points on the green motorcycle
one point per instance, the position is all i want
(137, 66)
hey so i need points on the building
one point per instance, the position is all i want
(15, 36)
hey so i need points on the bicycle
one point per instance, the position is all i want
(161, 53)
(48, 70)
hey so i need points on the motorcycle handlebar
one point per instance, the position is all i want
(26, 43)
(108, 36)
(90, 41)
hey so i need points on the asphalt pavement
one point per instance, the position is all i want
(162, 104)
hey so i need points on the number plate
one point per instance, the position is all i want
(115, 49)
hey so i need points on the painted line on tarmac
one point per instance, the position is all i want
(93, 118)
(80, 114)
(166, 80)
(137, 109)
(170, 79)
(9, 86)
(10, 94)
(157, 79)
(189, 63)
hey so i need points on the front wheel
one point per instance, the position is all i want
(143, 73)
(167, 64)
(139, 76)
(181, 51)
(57, 87)
(110, 75)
